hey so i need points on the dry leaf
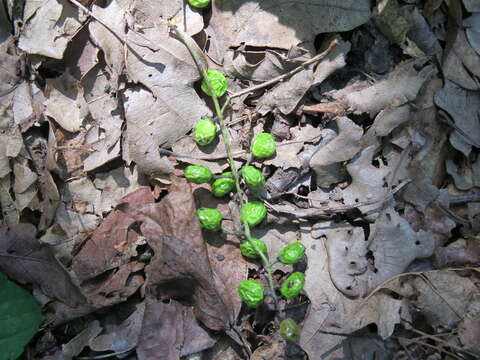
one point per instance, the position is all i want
(27, 261)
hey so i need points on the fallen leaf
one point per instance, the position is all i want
(27, 261)
(180, 267)
(464, 107)
(48, 38)
(264, 24)
(113, 243)
(473, 31)
(327, 161)
(120, 337)
(170, 331)
(75, 346)
(65, 102)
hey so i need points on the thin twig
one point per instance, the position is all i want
(432, 347)
(299, 68)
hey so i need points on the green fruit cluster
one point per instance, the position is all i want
(251, 292)
(292, 253)
(199, 3)
(218, 83)
(247, 248)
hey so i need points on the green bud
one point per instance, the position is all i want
(205, 131)
(289, 330)
(249, 251)
(198, 174)
(292, 285)
(263, 146)
(253, 177)
(218, 82)
(292, 253)
(253, 213)
(251, 292)
(223, 186)
(199, 3)
(210, 219)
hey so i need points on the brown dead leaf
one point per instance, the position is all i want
(27, 261)
(113, 243)
(180, 267)
(169, 331)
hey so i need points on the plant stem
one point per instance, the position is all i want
(198, 57)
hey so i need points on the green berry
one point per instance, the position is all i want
(249, 251)
(199, 3)
(289, 330)
(292, 285)
(223, 186)
(251, 292)
(292, 253)
(198, 174)
(210, 219)
(253, 177)
(205, 131)
(218, 82)
(263, 146)
(253, 213)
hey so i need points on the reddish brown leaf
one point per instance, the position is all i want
(180, 267)
(170, 331)
(27, 261)
(109, 245)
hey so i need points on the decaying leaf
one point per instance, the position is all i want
(27, 261)
(49, 38)
(180, 266)
(327, 161)
(170, 331)
(264, 23)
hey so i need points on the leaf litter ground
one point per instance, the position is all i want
(376, 173)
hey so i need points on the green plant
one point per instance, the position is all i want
(292, 253)
(214, 83)
(205, 131)
(222, 186)
(289, 330)
(263, 146)
(210, 219)
(251, 292)
(252, 213)
(248, 248)
(20, 316)
(198, 174)
(253, 177)
(292, 285)
(199, 3)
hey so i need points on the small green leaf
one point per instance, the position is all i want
(263, 145)
(289, 330)
(198, 174)
(199, 3)
(223, 186)
(247, 249)
(253, 177)
(218, 82)
(251, 292)
(20, 316)
(292, 253)
(210, 219)
(292, 285)
(205, 131)
(253, 213)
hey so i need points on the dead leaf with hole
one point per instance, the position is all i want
(113, 243)
(463, 106)
(49, 38)
(265, 24)
(27, 261)
(180, 267)
(327, 162)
